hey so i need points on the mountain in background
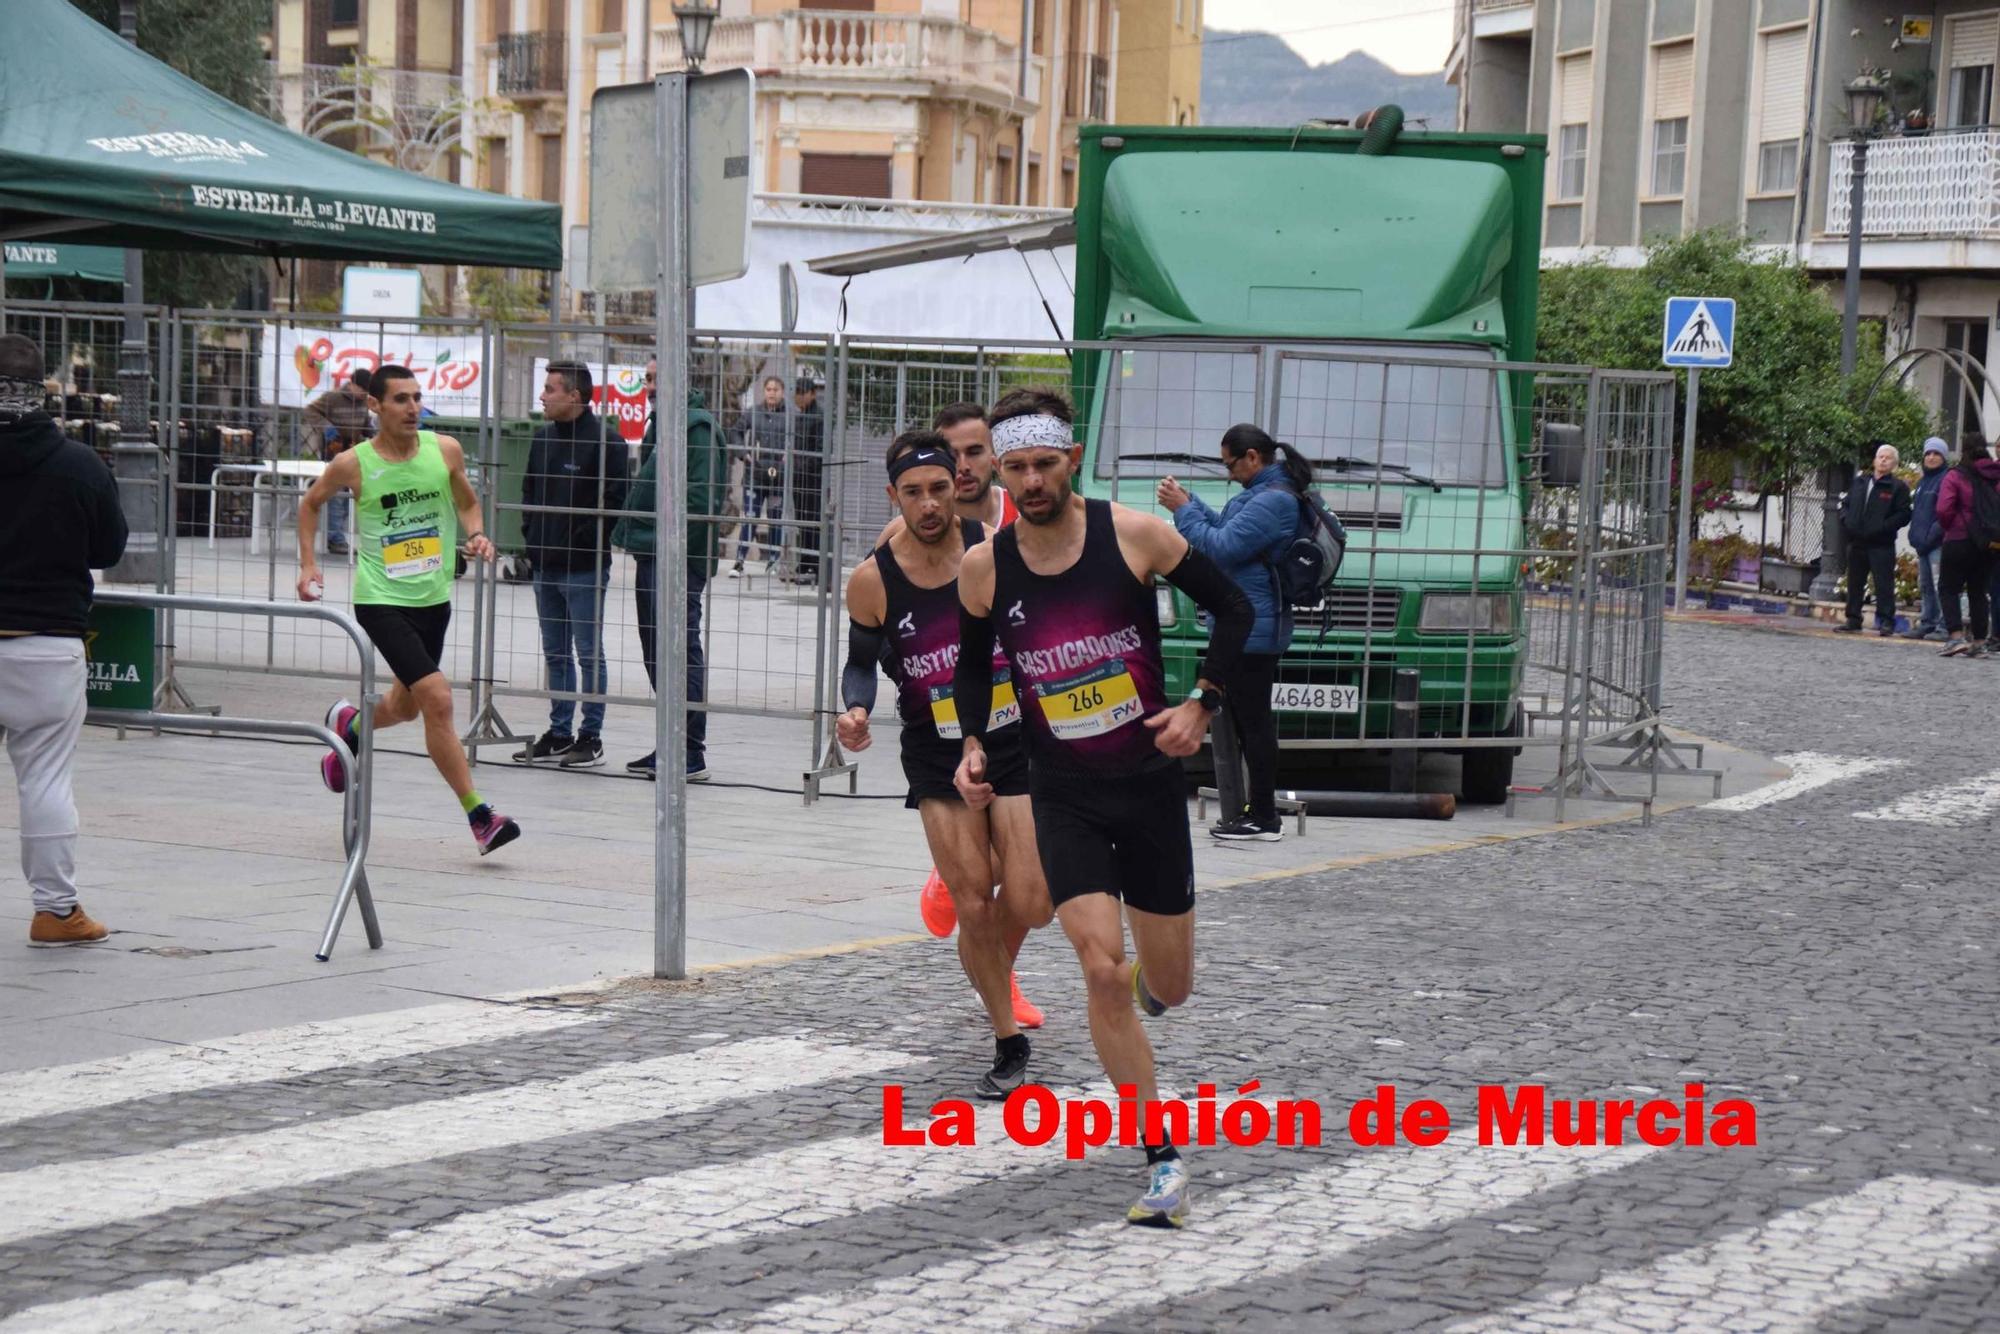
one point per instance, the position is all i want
(1254, 78)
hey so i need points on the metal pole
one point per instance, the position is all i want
(1832, 549)
(1687, 491)
(140, 564)
(670, 103)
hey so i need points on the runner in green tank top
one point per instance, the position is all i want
(412, 500)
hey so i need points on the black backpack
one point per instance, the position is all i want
(1984, 528)
(1306, 568)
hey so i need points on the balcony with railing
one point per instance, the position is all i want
(408, 117)
(1943, 184)
(530, 64)
(844, 45)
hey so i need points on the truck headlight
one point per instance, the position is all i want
(1467, 613)
(1163, 598)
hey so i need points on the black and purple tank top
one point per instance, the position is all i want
(1085, 648)
(920, 639)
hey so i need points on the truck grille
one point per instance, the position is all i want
(1355, 609)
(1384, 520)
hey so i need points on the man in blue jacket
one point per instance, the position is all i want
(575, 463)
(1247, 540)
(1927, 540)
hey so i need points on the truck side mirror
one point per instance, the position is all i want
(1562, 454)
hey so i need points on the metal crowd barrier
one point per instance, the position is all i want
(358, 766)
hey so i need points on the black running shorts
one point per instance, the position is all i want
(411, 639)
(929, 761)
(1124, 836)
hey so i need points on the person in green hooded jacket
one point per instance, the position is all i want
(634, 532)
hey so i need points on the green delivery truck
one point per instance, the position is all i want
(1355, 293)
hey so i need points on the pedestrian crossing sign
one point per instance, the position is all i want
(1700, 331)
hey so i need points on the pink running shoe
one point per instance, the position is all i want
(495, 831)
(337, 719)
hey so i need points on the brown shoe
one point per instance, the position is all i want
(79, 928)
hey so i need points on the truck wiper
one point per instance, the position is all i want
(1346, 464)
(1196, 460)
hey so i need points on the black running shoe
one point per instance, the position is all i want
(547, 749)
(586, 752)
(1009, 1072)
(1243, 829)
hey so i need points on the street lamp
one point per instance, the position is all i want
(696, 22)
(1865, 95)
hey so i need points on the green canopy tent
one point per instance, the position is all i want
(47, 259)
(100, 144)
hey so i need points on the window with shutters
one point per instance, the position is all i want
(855, 175)
(1673, 104)
(1972, 47)
(551, 182)
(1573, 138)
(493, 160)
(1781, 109)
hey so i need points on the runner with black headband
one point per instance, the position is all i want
(906, 598)
(1069, 592)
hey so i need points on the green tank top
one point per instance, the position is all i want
(406, 524)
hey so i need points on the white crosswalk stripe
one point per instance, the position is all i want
(1956, 805)
(1790, 1273)
(278, 1053)
(1810, 770)
(94, 1192)
(421, 1272)
(1086, 1276)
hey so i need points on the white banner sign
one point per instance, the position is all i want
(301, 364)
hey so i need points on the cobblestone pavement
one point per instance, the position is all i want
(711, 1154)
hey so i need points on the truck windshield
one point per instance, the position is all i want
(1425, 423)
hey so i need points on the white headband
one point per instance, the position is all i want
(1034, 431)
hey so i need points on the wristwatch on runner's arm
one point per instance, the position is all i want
(1209, 697)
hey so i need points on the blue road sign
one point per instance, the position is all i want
(1700, 331)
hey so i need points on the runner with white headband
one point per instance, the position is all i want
(1068, 591)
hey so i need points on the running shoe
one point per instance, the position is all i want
(934, 905)
(337, 719)
(1144, 998)
(1166, 1199)
(698, 771)
(495, 831)
(548, 748)
(1009, 1072)
(1025, 1013)
(642, 767)
(586, 752)
(1975, 650)
(1953, 647)
(1243, 829)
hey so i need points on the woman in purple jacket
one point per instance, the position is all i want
(1968, 564)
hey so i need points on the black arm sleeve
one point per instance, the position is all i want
(857, 678)
(107, 522)
(972, 678)
(1217, 594)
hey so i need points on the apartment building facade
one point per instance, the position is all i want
(1159, 62)
(1668, 115)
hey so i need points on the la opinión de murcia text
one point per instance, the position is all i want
(1522, 1114)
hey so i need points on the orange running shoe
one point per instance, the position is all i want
(935, 907)
(1025, 1013)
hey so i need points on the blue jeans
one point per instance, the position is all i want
(570, 606)
(767, 504)
(336, 519)
(645, 586)
(1932, 617)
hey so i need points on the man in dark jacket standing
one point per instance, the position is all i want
(59, 520)
(635, 532)
(575, 463)
(1927, 540)
(808, 460)
(1877, 507)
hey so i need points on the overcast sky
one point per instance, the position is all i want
(1413, 36)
